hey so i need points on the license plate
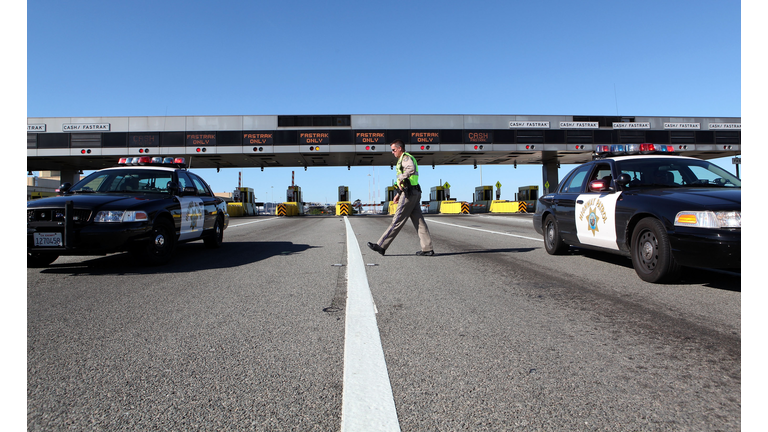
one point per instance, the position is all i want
(47, 239)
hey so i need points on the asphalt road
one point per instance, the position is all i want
(490, 334)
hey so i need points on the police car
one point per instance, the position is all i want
(643, 201)
(145, 205)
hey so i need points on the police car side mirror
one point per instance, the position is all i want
(173, 187)
(624, 179)
(64, 188)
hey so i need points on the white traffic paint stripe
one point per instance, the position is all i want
(432, 220)
(367, 404)
(248, 223)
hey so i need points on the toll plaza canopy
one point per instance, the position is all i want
(90, 143)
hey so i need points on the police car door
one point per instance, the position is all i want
(192, 209)
(209, 200)
(565, 202)
(596, 211)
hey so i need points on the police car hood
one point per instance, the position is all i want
(696, 198)
(90, 201)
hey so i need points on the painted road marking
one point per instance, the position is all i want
(367, 401)
(248, 223)
(432, 220)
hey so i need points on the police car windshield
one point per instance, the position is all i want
(127, 180)
(675, 172)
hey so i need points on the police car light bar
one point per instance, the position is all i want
(645, 148)
(179, 162)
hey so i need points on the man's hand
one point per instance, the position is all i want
(397, 198)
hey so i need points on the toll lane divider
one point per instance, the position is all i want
(367, 400)
(287, 209)
(343, 208)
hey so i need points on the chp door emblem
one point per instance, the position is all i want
(594, 210)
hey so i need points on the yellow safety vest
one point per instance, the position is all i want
(413, 178)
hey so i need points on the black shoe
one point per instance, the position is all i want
(376, 247)
(425, 253)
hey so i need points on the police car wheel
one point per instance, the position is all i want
(161, 246)
(651, 252)
(36, 260)
(217, 238)
(552, 241)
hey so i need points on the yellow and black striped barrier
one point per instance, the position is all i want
(523, 208)
(343, 208)
(280, 210)
(465, 208)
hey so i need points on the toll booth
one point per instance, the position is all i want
(390, 193)
(482, 199)
(343, 193)
(343, 205)
(436, 196)
(293, 196)
(243, 197)
(528, 195)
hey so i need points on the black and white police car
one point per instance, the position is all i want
(145, 205)
(641, 200)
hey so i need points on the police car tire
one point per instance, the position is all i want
(215, 240)
(37, 260)
(651, 252)
(552, 241)
(162, 245)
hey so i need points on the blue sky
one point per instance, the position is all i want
(156, 58)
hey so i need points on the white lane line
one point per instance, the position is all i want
(433, 220)
(367, 401)
(251, 222)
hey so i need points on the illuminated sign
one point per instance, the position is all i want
(529, 124)
(370, 138)
(682, 125)
(201, 139)
(425, 137)
(85, 127)
(314, 138)
(628, 125)
(579, 125)
(718, 126)
(258, 138)
(477, 137)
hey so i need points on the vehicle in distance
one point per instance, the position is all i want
(145, 205)
(641, 200)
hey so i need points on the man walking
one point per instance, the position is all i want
(408, 202)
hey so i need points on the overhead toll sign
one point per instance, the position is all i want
(35, 128)
(732, 126)
(682, 125)
(370, 138)
(425, 137)
(631, 125)
(201, 139)
(478, 137)
(529, 125)
(85, 127)
(579, 125)
(144, 140)
(258, 138)
(314, 138)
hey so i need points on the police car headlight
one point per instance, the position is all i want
(120, 216)
(709, 219)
